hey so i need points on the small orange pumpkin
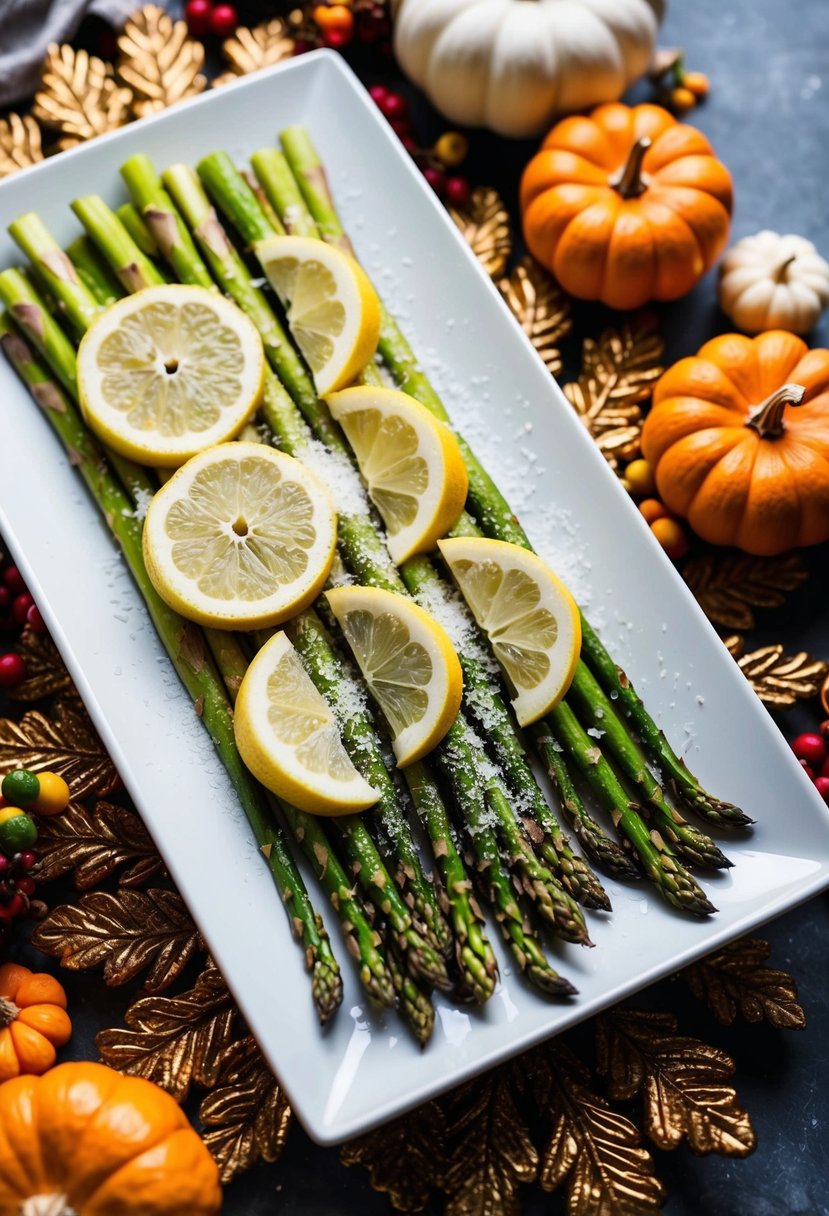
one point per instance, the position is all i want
(83, 1140)
(33, 1021)
(626, 205)
(739, 440)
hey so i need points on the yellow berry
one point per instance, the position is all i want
(682, 99)
(451, 149)
(696, 83)
(671, 537)
(653, 509)
(53, 797)
(10, 812)
(639, 476)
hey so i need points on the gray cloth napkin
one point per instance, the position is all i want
(28, 26)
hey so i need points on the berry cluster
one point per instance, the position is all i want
(679, 89)
(23, 795)
(17, 609)
(336, 23)
(204, 18)
(435, 163)
(639, 482)
(812, 750)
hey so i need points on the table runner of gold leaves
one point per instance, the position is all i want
(552, 1118)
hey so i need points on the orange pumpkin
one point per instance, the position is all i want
(626, 205)
(83, 1140)
(33, 1021)
(739, 440)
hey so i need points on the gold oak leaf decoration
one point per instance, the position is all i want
(682, 1082)
(779, 679)
(728, 587)
(405, 1159)
(246, 1117)
(92, 843)
(248, 50)
(485, 226)
(20, 143)
(79, 96)
(45, 670)
(736, 980)
(65, 742)
(541, 309)
(128, 932)
(617, 377)
(595, 1150)
(176, 1041)
(158, 61)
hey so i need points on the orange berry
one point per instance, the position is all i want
(334, 18)
(639, 476)
(53, 797)
(696, 83)
(653, 509)
(682, 99)
(671, 537)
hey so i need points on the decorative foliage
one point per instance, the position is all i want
(489, 1149)
(406, 1159)
(780, 680)
(127, 932)
(20, 143)
(65, 742)
(251, 49)
(176, 1041)
(45, 670)
(618, 374)
(540, 308)
(79, 96)
(682, 1082)
(158, 60)
(735, 981)
(92, 843)
(246, 1115)
(728, 587)
(485, 226)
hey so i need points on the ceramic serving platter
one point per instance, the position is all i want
(365, 1068)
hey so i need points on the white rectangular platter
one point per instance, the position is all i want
(365, 1068)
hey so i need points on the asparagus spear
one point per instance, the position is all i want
(94, 272)
(133, 268)
(184, 645)
(157, 210)
(415, 1005)
(131, 218)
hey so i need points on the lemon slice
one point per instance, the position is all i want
(169, 371)
(530, 617)
(332, 308)
(287, 736)
(241, 537)
(408, 663)
(411, 462)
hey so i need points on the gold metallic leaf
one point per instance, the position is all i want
(20, 143)
(735, 980)
(780, 680)
(405, 1159)
(682, 1082)
(45, 670)
(128, 932)
(79, 96)
(618, 374)
(176, 1041)
(246, 1116)
(158, 60)
(92, 843)
(729, 586)
(489, 1149)
(485, 226)
(248, 50)
(595, 1150)
(64, 742)
(540, 307)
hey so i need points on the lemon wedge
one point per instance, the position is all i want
(408, 663)
(411, 463)
(332, 309)
(530, 617)
(288, 737)
(240, 537)
(169, 371)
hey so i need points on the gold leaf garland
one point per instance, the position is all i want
(93, 842)
(486, 228)
(46, 673)
(541, 309)
(64, 742)
(249, 50)
(735, 981)
(79, 96)
(406, 1159)
(729, 586)
(779, 679)
(20, 143)
(159, 62)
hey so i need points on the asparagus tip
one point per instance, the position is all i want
(326, 989)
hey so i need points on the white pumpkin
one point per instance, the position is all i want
(769, 281)
(515, 65)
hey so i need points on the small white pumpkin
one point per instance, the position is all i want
(769, 281)
(515, 65)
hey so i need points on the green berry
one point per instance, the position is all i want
(17, 834)
(20, 787)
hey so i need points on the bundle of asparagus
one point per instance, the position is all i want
(476, 797)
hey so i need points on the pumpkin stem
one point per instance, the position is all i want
(8, 1012)
(629, 181)
(767, 419)
(780, 272)
(47, 1205)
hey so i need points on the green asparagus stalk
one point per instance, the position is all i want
(94, 272)
(131, 218)
(74, 300)
(133, 268)
(415, 1005)
(185, 646)
(158, 212)
(282, 192)
(261, 198)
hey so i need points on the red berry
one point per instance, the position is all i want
(223, 20)
(457, 191)
(394, 106)
(372, 27)
(824, 772)
(35, 621)
(409, 144)
(197, 14)
(12, 670)
(26, 886)
(27, 859)
(378, 93)
(336, 39)
(13, 909)
(302, 46)
(13, 580)
(811, 748)
(4, 864)
(810, 772)
(20, 607)
(822, 787)
(436, 179)
(401, 127)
